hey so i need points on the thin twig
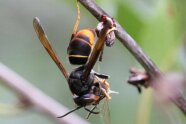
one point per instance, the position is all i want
(152, 70)
(36, 98)
(124, 38)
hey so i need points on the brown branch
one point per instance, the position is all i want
(35, 98)
(124, 38)
(152, 70)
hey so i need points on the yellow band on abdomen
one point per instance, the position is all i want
(78, 56)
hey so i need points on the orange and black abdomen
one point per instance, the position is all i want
(80, 46)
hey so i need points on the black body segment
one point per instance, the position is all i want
(80, 46)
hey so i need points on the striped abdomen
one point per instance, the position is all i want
(80, 46)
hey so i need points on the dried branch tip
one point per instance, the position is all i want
(138, 78)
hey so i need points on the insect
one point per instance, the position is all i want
(80, 46)
(87, 86)
(82, 41)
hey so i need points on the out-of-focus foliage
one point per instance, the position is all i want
(157, 25)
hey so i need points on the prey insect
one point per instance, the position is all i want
(87, 86)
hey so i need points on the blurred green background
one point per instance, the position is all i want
(157, 25)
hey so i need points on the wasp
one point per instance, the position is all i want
(80, 46)
(86, 86)
(82, 41)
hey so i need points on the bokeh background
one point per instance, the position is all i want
(157, 25)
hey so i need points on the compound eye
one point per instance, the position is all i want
(87, 99)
